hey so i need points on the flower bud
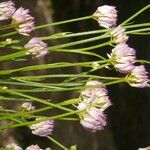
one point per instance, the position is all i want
(94, 120)
(106, 16)
(36, 47)
(23, 22)
(6, 10)
(118, 35)
(33, 147)
(43, 128)
(139, 77)
(123, 58)
(13, 146)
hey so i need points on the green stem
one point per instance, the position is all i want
(36, 99)
(136, 14)
(49, 66)
(143, 61)
(57, 143)
(63, 22)
(7, 26)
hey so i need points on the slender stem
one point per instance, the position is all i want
(136, 14)
(63, 22)
(57, 143)
(36, 99)
(138, 30)
(143, 61)
(8, 26)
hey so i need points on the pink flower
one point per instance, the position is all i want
(23, 21)
(106, 16)
(139, 77)
(94, 120)
(36, 47)
(33, 147)
(118, 35)
(6, 10)
(95, 94)
(123, 58)
(43, 128)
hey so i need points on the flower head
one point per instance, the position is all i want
(118, 35)
(36, 47)
(6, 10)
(94, 120)
(139, 77)
(27, 106)
(43, 128)
(106, 16)
(13, 146)
(146, 148)
(123, 58)
(23, 21)
(95, 94)
(33, 147)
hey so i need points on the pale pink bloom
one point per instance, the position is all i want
(36, 47)
(43, 128)
(95, 93)
(13, 146)
(139, 77)
(106, 16)
(6, 10)
(93, 120)
(146, 148)
(23, 21)
(33, 147)
(123, 58)
(118, 35)
(27, 106)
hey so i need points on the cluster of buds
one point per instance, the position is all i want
(118, 35)
(106, 16)
(7, 9)
(43, 128)
(23, 22)
(123, 57)
(14, 146)
(94, 101)
(139, 77)
(36, 47)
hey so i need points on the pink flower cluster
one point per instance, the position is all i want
(23, 22)
(43, 128)
(106, 16)
(122, 57)
(94, 101)
(36, 47)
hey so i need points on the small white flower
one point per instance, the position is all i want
(43, 128)
(139, 77)
(93, 120)
(95, 95)
(13, 146)
(106, 16)
(33, 147)
(123, 58)
(27, 106)
(23, 21)
(6, 10)
(146, 148)
(118, 35)
(36, 47)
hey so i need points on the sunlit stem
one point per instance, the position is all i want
(57, 143)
